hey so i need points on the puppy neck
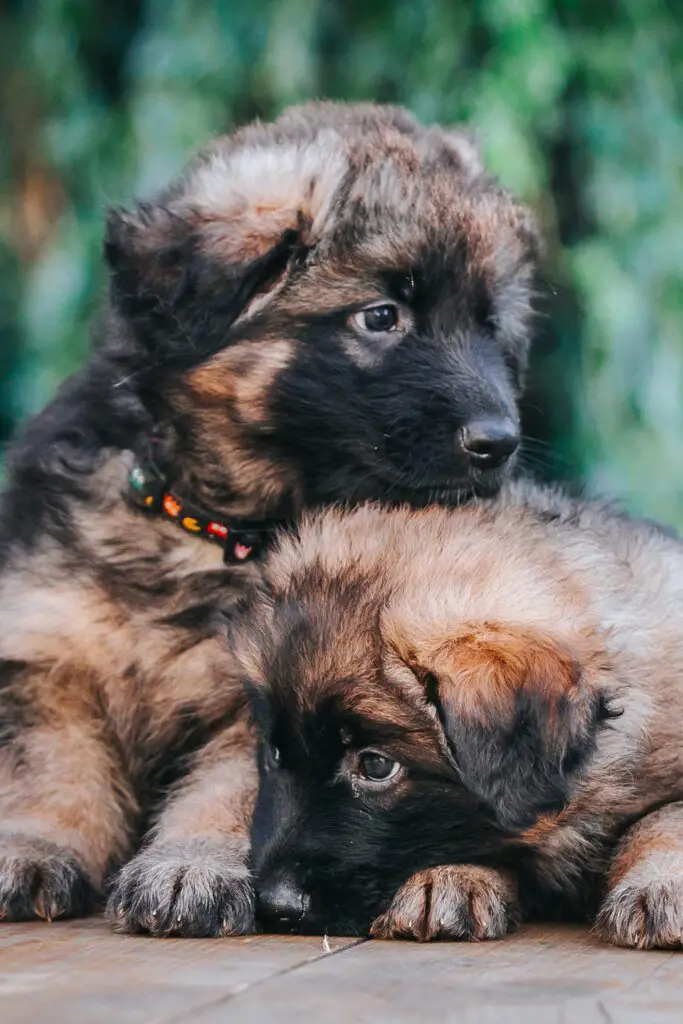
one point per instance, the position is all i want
(152, 492)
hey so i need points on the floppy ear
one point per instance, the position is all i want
(520, 717)
(466, 150)
(169, 287)
(227, 234)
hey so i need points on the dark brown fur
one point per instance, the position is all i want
(232, 338)
(518, 668)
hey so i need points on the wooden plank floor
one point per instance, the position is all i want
(73, 972)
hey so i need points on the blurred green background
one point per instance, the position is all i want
(580, 110)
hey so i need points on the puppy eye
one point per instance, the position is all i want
(377, 319)
(272, 758)
(376, 767)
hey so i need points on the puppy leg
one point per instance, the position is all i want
(643, 907)
(456, 902)
(192, 878)
(65, 813)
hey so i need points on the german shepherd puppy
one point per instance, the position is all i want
(330, 308)
(468, 716)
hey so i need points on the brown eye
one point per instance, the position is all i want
(377, 319)
(376, 767)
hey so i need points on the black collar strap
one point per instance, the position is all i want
(241, 541)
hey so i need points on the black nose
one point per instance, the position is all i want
(279, 904)
(489, 443)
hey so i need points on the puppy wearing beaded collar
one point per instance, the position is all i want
(330, 308)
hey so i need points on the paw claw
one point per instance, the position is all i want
(40, 880)
(182, 889)
(644, 916)
(461, 902)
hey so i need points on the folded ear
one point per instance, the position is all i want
(520, 716)
(225, 236)
(169, 287)
(147, 250)
(464, 149)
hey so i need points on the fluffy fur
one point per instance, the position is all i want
(234, 336)
(515, 669)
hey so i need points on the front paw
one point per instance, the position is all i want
(460, 902)
(39, 879)
(193, 889)
(648, 915)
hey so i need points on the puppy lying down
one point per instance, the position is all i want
(468, 717)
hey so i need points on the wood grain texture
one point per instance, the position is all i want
(539, 976)
(78, 971)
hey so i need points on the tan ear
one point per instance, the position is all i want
(520, 714)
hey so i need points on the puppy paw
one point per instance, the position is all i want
(194, 889)
(645, 916)
(40, 880)
(462, 902)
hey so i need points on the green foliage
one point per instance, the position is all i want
(579, 108)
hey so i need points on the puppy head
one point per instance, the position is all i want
(332, 307)
(388, 748)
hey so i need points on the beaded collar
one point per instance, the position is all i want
(241, 540)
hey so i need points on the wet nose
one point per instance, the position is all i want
(489, 442)
(279, 904)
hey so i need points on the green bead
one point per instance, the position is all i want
(137, 478)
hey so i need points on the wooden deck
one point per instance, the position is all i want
(73, 972)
